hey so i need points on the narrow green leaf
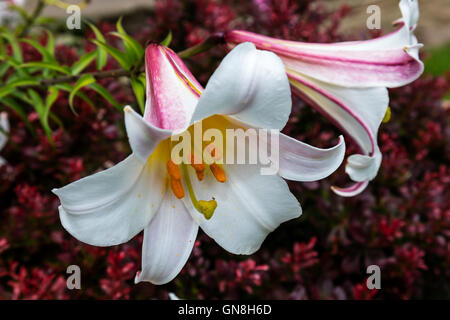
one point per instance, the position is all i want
(139, 92)
(46, 54)
(130, 44)
(47, 65)
(36, 99)
(84, 81)
(83, 62)
(52, 95)
(3, 68)
(167, 40)
(106, 95)
(118, 55)
(50, 43)
(68, 88)
(11, 38)
(16, 107)
(102, 56)
(133, 48)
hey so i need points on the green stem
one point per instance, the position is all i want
(30, 21)
(206, 45)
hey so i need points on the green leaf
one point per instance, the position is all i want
(139, 91)
(3, 68)
(52, 95)
(83, 62)
(36, 99)
(50, 43)
(11, 86)
(102, 56)
(11, 38)
(38, 104)
(118, 55)
(106, 95)
(167, 40)
(83, 81)
(133, 48)
(44, 20)
(46, 54)
(16, 107)
(47, 65)
(68, 88)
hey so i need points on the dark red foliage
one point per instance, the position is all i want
(401, 222)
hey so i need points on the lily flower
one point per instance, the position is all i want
(233, 203)
(4, 128)
(347, 82)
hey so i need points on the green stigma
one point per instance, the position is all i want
(206, 208)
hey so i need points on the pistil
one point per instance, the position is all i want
(206, 208)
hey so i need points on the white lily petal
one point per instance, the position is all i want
(344, 107)
(302, 162)
(168, 242)
(249, 206)
(112, 206)
(250, 85)
(363, 168)
(143, 136)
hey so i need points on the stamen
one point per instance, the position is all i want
(177, 188)
(206, 208)
(199, 168)
(218, 172)
(175, 179)
(173, 169)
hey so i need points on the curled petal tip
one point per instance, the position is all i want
(350, 191)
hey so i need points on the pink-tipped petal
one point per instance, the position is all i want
(388, 61)
(172, 91)
(358, 112)
(352, 191)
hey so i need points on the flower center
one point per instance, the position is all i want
(206, 208)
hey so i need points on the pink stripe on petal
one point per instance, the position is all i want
(351, 64)
(329, 116)
(170, 99)
(352, 191)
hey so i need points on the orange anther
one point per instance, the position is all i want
(173, 170)
(177, 188)
(218, 172)
(199, 168)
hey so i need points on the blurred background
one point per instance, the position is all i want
(401, 222)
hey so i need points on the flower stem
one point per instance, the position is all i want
(210, 42)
